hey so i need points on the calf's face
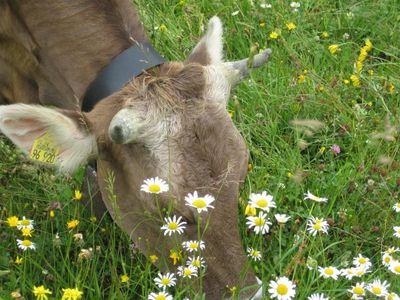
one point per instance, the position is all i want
(169, 122)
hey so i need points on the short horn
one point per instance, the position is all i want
(243, 67)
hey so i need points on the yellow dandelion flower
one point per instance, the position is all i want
(19, 260)
(77, 195)
(291, 26)
(26, 232)
(163, 28)
(322, 149)
(334, 48)
(174, 256)
(289, 174)
(301, 78)
(12, 221)
(250, 210)
(346, 81)
(368, 45)
(325, 35)
(363, 55)
(41, 292)
(153, 258)
(355, 80)
(71, 294)
(124, 278)
(359, 66)
(52, 213)
(72, 224)
(273, 35)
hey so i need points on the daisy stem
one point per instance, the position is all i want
(280, 248)
(158, 208)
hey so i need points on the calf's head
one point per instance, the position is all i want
(169, 122)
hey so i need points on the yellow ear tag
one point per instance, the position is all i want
(44, 149)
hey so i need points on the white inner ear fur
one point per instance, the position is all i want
(218, 85)
(213, 40)
(24, 123)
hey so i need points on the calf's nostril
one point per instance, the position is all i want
(117, 134)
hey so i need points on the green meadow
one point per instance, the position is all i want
(321, 116)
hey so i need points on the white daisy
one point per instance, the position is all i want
(187, 271)
(193, 246)
(282, 218)
(394, 266)
(26, 244)
(396, 207)
(265, 5)
(361, 261)
(173, 225)
(164, 281)
(295, 4)
(360, 271)
(160, 296)
(392, 296)
(25, 223)
(386, 259)
(200, 203)
(253, 253)
(329, 272)
(196, 261)
(262, 201)
(154, 186)
(316, 225)
(282, 289)
(392, 250)
(358, 291)
(396, 231)
(312, 197)
(260, 223)
(378, 288)
(348, 273)
(317, 297)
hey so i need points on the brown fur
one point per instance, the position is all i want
(48, 57)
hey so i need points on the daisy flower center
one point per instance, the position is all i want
(358, 290)
(160, 297)
(255, 253)
(154, 188)
(397, 268)
(25, 222)
(262, 203)
(193, 245)
(317, 226)
(173, 226)
(196, 263)
(282, 289)
(398, 204)
(329, 271)
(362, 260)
(387, 259)
(377, 290)
(259, 221)
(187, 272)
(165, 281)
(199, 203)
(26, 243)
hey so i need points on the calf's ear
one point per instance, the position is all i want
(66, 131)
(209, 50)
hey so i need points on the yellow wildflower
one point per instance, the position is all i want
(321, 89)
(71, 294)
(359, 66)
(174, 256)
(322, 150)
(78, 195)
(325, 35)
(369, 103)
(26, 232)
(124, 278)
(273, 35)
(363, 54)
(233, 289)
(355, 80)
(370, 72)
(334, 48)
(51, 213)
(40, 292)
(72, 224)
(368, 45)
(262, 24)
(249, 167)
(291, 26)
(346, 81)
(19, 260)
(182, 3)
(231, 114)
(391, 88)
(250, 210)
(93, 219)
(301, 78)
(289, 174)
(153, 258)
(163, 28)
(12, 221)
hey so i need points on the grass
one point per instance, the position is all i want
(362, 182)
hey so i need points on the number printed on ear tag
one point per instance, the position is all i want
(44, 149)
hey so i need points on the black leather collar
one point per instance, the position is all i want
(127, 65)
